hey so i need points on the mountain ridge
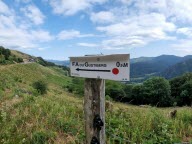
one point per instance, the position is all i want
(145, 67)
(167, 66)
(178, 69)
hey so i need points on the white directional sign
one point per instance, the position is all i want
(113, 67)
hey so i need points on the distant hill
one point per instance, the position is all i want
(177, 69)
(62, 63)
(141, 59)
(142, 68)
(167, 66)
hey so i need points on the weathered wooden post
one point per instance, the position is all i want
(94, 107)
(95, 69)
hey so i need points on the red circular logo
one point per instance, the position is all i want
(115, 71)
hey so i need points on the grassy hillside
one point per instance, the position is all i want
(57, 116)
(21, 55)
(7, 57)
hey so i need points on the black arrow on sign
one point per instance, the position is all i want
(78, 69)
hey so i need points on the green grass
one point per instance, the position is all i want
(57, 117)
(21, 55)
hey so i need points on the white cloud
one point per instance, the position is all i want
(34, 14)
(70, 7)
(17, 34)
(184, 45)
(41, 35)
(185, 31)
(117, 43)
(4, 8)
(123, 42)
(180, 10)
(92, 45)
(6, 21)
(175, 10)
(148, 21)
(102, 17)
(41, 49)
(20, 38)
(127, 1)
(16, 38)
(144, 28)
(139, 25)
(71, 34)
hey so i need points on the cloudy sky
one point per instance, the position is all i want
(58, 29)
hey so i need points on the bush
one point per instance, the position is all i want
(186, 93)
(40, 86)
(76, 86)
(157, 91)
(20, 60)
(137, 94)
(115, 91)
(181, 89)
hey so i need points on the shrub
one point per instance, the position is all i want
(186, 93)
(181, 89)
(20, 60)
(115, 90)
(40, 86)
(157, 91)
(137, 94)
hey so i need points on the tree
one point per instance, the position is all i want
(127, 88)
(178, 88)
(186, 93)
(137, 94)
(157, 91)
(4, 55)
(7, 54)
(20, 60)
(115, 91)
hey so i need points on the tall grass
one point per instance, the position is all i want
(57, 117)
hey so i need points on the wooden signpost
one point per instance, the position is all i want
(96, 69)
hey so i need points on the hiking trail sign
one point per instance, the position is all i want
(112, 67)
(95, 69)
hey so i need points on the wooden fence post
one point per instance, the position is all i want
(94, 106)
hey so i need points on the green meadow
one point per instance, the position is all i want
(56, 117)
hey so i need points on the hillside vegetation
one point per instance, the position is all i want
(24, 56)
(156, 91)
(7, 57)
(27, 116)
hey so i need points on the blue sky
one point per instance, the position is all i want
(58, 29)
